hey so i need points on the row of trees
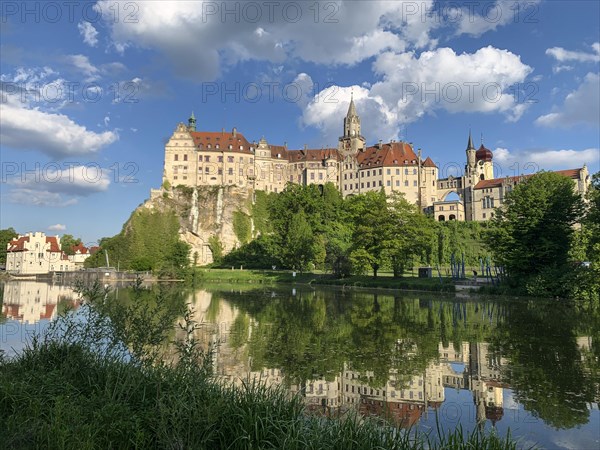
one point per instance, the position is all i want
(307, 227)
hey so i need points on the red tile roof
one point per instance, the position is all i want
(18, 245)
(429, 163)
(392, 154)
(94, 249)
(79, 248)
(309, 155)
(203, 138)
(497, 182)
(54, 247)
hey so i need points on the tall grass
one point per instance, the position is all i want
(78, 386)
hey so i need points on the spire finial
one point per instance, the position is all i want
(481, 138)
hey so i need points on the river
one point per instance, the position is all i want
(410, 359)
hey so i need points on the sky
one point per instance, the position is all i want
(92, 90)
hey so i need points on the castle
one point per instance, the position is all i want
(199, 158)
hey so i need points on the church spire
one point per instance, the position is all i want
(470, 143)
(351, 108)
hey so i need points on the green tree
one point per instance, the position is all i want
(301, 246)
(6, 235)
(67, 242)
(532, 233)
(373, 228)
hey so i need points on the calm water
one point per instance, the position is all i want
(410, 359)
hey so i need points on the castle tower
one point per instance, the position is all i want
(192, 122)
(471, 160)
(351, 121)
(351, 142)
(483, 157)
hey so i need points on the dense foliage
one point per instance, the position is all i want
(149, 241)
(535, 232)
(6, 235)
(313, 227)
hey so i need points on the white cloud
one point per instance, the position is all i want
(480, 17)
(509, 163)
(562, 55)
(342, 32)
(57, 186)
(57, 227)
(412, 87)
(83, 64)
(38, 198)
(326, 110)
(88, 32)
(580, 106)
(53, 134)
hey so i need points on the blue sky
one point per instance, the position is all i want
(91, 90)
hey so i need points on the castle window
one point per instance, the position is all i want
(320, 176)
(230, 147)
(206, 170)
(389, 171)
(415, 183)
(397, 183)
(484, 215)
(207, 159)
(405, 171)
(176, 157)
(185, 157)
(251, 160)
(220, 159)
(241, 147)
(380, 183)
(356, 186)
(217, 146)
(405, 182)
(230, 171)
(362, 185)
(414, 171)
(312, 175)
(380, 171)
(241, 171)
(368, 184)
(209, 146)
(389, 183)
(220, 171)
(230, 159)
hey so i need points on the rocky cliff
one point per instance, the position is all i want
(209, 217)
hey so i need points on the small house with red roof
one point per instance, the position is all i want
(36, 253)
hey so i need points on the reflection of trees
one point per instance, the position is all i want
(313, 334)
(546, 373)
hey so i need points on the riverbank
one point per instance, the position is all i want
(358, 281)
(62, 395)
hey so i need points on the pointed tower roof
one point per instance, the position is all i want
(470, 145)
(351, 108)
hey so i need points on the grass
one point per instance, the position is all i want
(79, 387)
(385, 281)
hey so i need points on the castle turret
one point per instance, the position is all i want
(471, 157)
(351, 121)
(192, 122)
(351, 142)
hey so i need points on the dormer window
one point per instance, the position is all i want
(208, 146)
(217, 146)
(241, 147)
(230, 147)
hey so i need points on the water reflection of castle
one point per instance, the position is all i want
(32, 301)
(402, 400)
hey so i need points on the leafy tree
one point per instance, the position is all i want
(301, 247)
(532, 233)
(6, 235)
(67, 242)
(373, 228)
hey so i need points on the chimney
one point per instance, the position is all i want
(234, 131)
(380, 144)
(305, 146)
(222, 130)
(285, 145)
